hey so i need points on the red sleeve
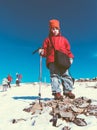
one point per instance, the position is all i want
(68, 48)
(45, 44)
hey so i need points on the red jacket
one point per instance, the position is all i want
(9, 78)
(60, 43)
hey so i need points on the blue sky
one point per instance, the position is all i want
(24, 26)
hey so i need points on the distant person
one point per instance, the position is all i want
(9, 77)
(55, 41)
(5, 84)
(18, 79)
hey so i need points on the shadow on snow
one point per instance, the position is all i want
(30, 98)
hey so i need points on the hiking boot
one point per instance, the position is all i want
(70, 95)
(58, 96)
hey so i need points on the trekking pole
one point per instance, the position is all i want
(40, 78)
(40, 73)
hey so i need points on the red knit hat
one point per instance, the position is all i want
(54, 23)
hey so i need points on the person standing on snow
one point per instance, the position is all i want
(58, 76)
(18, 79)
(9, 80)
(5, 84)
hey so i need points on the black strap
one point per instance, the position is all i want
(51, 42)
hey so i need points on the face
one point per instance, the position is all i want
(55, 31)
